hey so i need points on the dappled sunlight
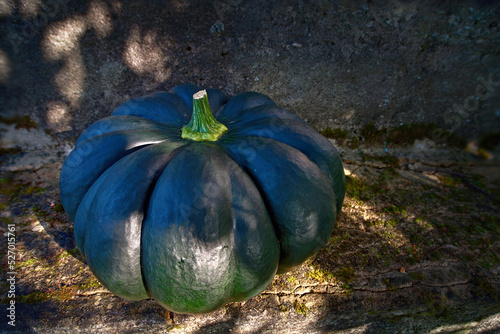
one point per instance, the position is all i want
(6, 7)
(58, 117)
(70, 79)
(61, 41)
(348, 170)
(368, 218)
(5, 67)
(144, 54)
(62, 38)
(99, 19)
(29, 8)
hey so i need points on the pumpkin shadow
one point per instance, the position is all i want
(223, 326)
(235, 313)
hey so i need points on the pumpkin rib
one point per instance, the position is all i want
(92, 157)
(109, 220)
(188, 244)
(307, 140)
(266, 111)
(147, 203)
(121, 123)
(299, 198)
(163, 107)
(241, 102)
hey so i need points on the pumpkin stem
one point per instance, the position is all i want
(203, 125)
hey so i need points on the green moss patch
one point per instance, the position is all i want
(20, 122)
(321, 275)
(406, 134)
(343, 137)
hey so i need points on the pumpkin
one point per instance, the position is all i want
(196, 209)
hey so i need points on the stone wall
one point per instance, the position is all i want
(340, 64)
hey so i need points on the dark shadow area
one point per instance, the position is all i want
(225, 326)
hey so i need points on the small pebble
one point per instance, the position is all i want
(37, 228)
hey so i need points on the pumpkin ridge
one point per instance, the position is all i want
(239, 103)
(264, 139)
(164, 107)
(307, 140)
(146, 204)
(107, 227)
(101, 126)
(90, 153)
(260, 113)
(296, 245)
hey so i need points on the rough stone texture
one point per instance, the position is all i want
(416, 249)
(335, 63)
(418, 231)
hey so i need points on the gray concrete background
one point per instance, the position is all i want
(340, 64)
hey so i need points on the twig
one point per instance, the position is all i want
(94, 292)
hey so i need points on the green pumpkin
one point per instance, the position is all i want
(198, 210)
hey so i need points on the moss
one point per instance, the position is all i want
(448, 181)
(26, 263)
(491, 223)
(386, 159)
(389, 285)
(58, 208)
(417, 276)
(437, 306)
(283, 308)
(175, 327)
(391, 223)
(489, 260)
(337, 134)
(39, 211)
(346, 274)
(69, 253)
(347, 288)
(406, 134)
(34, 297)
(415, 237)
(360, 190)
(342, 137)
(89, 284)
(372, 135)
(20, 122)
(414, 253)
(482, 284)
(320, 275)
(353, 143)
(12, 190)
(291, 279)
(401, 210)
(335, 240)
(300, 308)
(12, 151)
(33, 190)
